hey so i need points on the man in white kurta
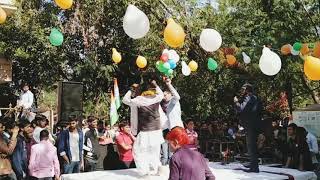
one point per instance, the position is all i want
(26, 101)
(26, 98)
(146, 119)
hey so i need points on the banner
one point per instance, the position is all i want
(310, 120)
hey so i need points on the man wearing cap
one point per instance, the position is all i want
(249, 108)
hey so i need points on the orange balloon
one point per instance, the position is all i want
(312, 68)
(316, 50)
(286, 49)
(305, 49)
(174, 34)
(231, 60)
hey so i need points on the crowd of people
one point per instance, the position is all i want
(154, 136)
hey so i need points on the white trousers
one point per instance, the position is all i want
(146, 152)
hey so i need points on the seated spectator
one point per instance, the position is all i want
(7, 146)
(192, 135)
(44, 163)
(124, 143)
(185, 163)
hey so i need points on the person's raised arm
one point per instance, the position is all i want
(173, 91)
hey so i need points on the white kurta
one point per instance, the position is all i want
(146, 148)
(26, 99)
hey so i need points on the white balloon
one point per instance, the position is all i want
(246, 58)
(174, 55)
(270, 62)
(135, 22)
(210, 40)
(185, 69)
(165, 51)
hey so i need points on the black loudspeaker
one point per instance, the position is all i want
(70, 100)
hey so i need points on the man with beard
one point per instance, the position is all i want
(249, 108)
(20, 155)
(70, 147)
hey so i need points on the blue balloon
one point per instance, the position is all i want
(172, 63)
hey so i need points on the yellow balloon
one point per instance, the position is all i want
(141, 62)
(3, 16)
(64, 4)
(174, 34)
(312, 68)
(193, 66)
(116, 56)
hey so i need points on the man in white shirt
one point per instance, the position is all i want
(25, 102)
(313, 147)
(26, 98)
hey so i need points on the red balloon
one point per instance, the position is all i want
(164, 57)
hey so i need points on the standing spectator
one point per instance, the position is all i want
(298, 151)
(94, 157)
(124, 143)
(185, 163)
(70, 147)
(42, 123)
(20, 155)
(313, 148)
(290, 149)
(7, 147)
(44, 163)
(275, 128)
(249, 108)
(192, 135)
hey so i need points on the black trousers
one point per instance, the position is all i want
(252, 137)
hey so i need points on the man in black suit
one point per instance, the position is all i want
(249, 108)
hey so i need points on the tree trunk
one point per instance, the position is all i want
(313, 94)
(289, 95)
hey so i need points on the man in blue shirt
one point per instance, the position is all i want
(249, 108)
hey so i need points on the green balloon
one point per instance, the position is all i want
(311, 45)
(297, 46)
(212, 64)
(158, 63)
(162, 68)
(168, 72)
(56, 37)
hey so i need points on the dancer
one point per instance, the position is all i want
(146, 112)
(250, 108)
(171, 106)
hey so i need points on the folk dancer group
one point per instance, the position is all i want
(156, 116)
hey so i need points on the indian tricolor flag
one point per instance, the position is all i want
(113, 111)
(116, 93)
